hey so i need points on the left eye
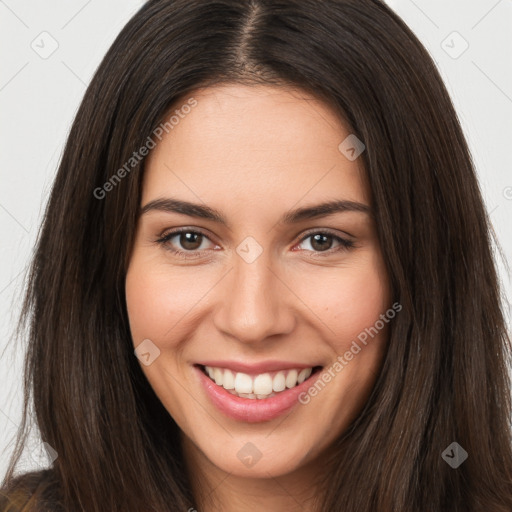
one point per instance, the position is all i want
(323, 241)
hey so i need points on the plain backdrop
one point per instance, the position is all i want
(50, 51)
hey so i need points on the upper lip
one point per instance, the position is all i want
(256, 368)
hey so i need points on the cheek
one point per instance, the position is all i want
(363, 298)
(145, 299)
(350, 298)
(160, 301)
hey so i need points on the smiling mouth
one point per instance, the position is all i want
(258, 386)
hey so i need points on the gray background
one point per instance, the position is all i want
(50, 52)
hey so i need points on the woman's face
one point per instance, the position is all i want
(264, 292)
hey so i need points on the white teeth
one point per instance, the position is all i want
(229, 380)
(303, 375)
(291, 378)
(279, 382)
(261, 386)
(217, 376)
(243, 383)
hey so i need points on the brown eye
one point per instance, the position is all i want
(320, 242)
(184, 240)
(190, 240)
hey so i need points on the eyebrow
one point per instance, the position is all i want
(291, 217)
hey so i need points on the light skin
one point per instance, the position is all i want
(255, 153)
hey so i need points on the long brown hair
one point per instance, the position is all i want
(444, 377)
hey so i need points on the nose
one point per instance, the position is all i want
(254, 302)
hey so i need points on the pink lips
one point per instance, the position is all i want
(247, 409)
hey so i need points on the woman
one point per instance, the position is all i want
(264, 279)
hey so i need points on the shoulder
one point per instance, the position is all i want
(30, 492)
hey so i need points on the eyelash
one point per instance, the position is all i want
(163, 240)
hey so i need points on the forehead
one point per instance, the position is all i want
(250, 143)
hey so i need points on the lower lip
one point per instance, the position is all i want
(253, 410)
